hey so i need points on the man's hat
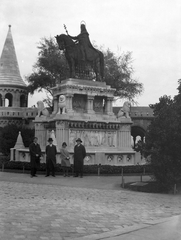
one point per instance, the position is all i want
(50, 140)
(78, 140)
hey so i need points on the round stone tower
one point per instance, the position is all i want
(13, 90)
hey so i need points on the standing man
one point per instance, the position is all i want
(35, 154)
(79, 155)
(51, 152)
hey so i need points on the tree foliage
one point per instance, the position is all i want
(163, 141)
(51, 68)
(119, 75)
(9, 136)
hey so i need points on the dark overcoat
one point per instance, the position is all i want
(34, 149)
(79, 155)
(51, 152)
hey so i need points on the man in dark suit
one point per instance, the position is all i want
(79, 155)
(51, 152)
(35, 154)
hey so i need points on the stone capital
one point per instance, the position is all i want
(89, 97)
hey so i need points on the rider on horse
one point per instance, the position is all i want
(83, 40)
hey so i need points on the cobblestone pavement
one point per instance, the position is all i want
(32, 210)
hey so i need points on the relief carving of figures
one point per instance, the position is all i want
(103, 139)
(94, 138)
(98, 105)
(79, 104)
(111, 141)
(72, 138)
(87, 141)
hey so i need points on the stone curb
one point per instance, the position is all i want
(122, 231)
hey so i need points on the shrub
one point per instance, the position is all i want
(163, 141)
(88, 169)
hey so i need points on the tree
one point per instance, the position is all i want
(119, 75)
(139, 147)
(51, 68)
(163, 140)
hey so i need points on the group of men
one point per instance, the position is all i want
(51, 152)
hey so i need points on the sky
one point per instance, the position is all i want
(150, 29)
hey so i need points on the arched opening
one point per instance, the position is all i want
(8, 100)
(1, 101)
(137, 134)
(23, 101)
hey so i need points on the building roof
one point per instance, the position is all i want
(9, 69)
(137, 111)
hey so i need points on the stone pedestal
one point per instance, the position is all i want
(89, 116)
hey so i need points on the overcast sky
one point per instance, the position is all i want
(150, 29)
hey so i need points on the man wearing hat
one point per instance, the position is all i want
(35, 154)
(79, 155)
(51, 152)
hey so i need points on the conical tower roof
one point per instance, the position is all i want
(9, 69)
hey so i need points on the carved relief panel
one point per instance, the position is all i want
(79, 103)
(93, 138)
(99, 104)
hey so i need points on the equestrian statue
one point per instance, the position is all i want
(81, 56)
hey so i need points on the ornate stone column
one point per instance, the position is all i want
(3, 101)
(62, 133)
(124, 135)
(16, 99)
(40, 133)
(90, 100)
(26, 101)
(69, 102)
(109, 101)
(55, 105)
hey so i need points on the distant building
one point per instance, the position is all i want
(141, 117)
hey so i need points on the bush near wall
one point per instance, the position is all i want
(88, 169)
(4, 159)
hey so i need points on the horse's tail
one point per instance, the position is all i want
(101, 56)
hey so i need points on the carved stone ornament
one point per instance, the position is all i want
(128, 157)
(42, 111)
(93, 138)
(87, 158)
(125, 110)
(62, 104)
(120, 158)
(110, 158)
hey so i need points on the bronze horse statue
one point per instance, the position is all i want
(94, 57)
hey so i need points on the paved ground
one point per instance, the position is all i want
(88, 208)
